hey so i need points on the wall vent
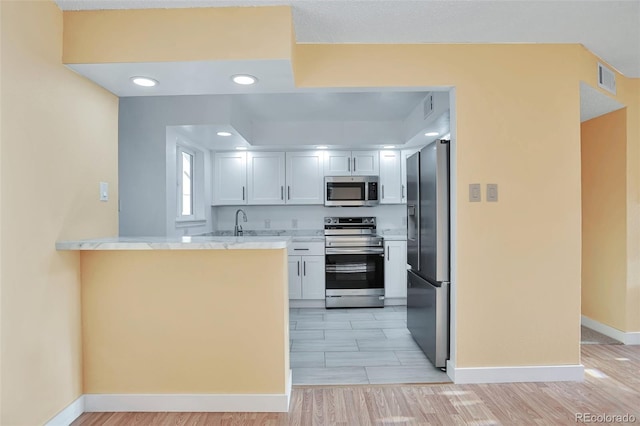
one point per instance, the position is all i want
(606, 79)
(428, 105)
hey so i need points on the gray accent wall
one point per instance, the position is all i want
(142, 155)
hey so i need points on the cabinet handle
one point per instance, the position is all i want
(383, 192)
(243, 193)
(304, 268)
(402, 191)
(354, 164)
(288, 192)
(298, 268)
(282, 192)
(388, 253)
(349, 164)
(298, 249)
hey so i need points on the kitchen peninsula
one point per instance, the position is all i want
(184, 324)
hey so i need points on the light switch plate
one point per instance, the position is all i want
(475, 195)
(104, 191)
(492, 192)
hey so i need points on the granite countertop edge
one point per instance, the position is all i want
(177, 243)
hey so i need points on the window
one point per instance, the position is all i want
(185, 183)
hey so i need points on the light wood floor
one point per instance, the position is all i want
(612, 386)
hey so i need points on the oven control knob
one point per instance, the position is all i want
(327, 219)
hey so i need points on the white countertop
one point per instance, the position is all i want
(177, 243)
(393, 234)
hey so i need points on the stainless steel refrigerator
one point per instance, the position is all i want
(428, 250)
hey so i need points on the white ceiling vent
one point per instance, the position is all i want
(606, 79)
(428, 105)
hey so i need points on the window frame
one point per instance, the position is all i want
(180, 149)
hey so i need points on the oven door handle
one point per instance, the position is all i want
(371, 250)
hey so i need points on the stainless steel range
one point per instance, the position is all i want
(354, 263)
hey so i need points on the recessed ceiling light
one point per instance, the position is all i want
(223, 134)
(431, 134)
(242, 148)
(244, 79)
(389, 146)
(322, 147)
(144, 81)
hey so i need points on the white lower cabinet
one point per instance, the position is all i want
(395, 269)
(306, 271)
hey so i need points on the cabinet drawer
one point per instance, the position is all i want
(306, 249)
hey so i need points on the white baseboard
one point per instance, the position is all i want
(68, 414)
(270, 403)
(535, 373)
(628, 338)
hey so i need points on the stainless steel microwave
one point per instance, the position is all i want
(350, 191)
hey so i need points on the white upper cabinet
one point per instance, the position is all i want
(390, 177)
(230, 178)
(406, 153)
(365, 163)
(265, 177)
(354, 163)
(337, 163)
(304, 178)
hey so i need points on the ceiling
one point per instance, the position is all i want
(280, 121)
(608, 28)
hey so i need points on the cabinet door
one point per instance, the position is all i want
(230, 178)
(265, 177)
(295, 277)
(365, 163)
(337, 163)
(313, 277)
(406, 153)
(395, 269)
(304, 176)
(390, 181)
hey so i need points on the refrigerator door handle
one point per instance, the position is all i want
(442, 210)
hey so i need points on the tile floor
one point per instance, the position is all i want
(356, 346)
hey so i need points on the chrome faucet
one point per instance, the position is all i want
(238, 229)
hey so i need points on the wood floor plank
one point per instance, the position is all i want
(612, 387)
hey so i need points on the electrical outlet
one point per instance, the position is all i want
(267, 224)
(475, 195)
(294, 223)
(492, 192)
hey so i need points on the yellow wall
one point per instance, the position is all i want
(518, 260)
(628, 94)
(159, 35)
(604, 201)
(198, 321)
(58, 140)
